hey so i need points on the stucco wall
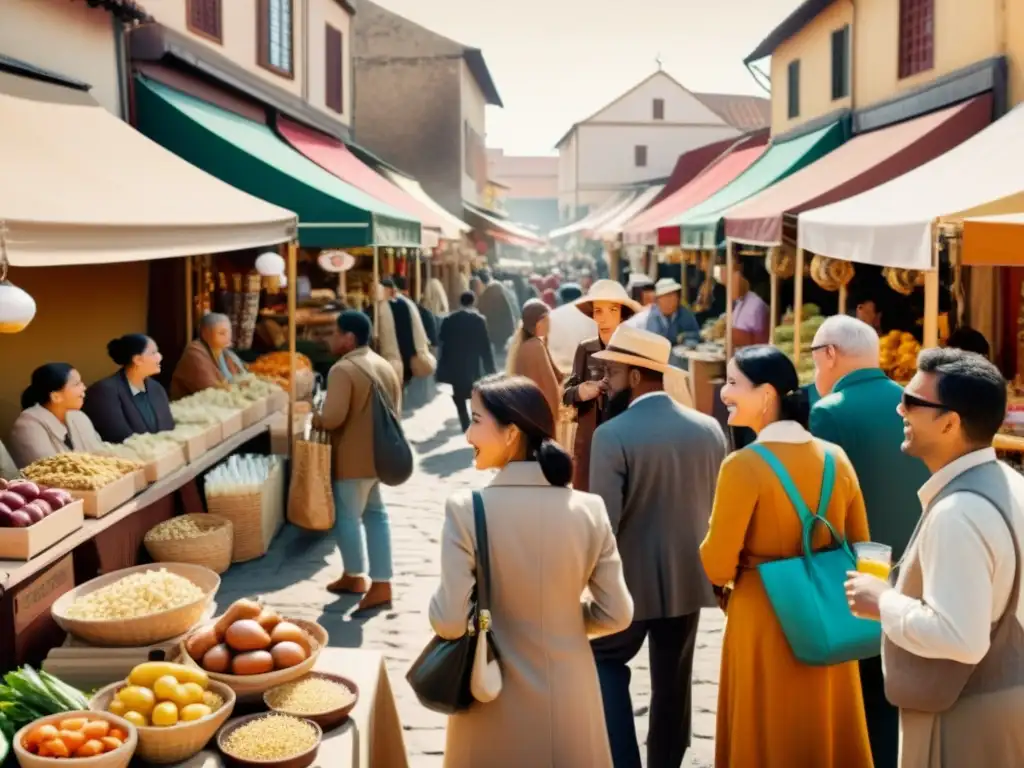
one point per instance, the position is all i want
(637, 106)
(474, 111)
(68, 38)
(964, 33)
(322, 13)
(78, 310)
(1013, 25)
(813, 47)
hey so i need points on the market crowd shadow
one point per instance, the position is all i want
(444, 465)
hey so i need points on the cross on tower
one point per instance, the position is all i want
(657, 60)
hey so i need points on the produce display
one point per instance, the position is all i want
(27, 695)
(714, 329)
(80, 471)
(183, 528)
(137, 595)
(202, 408)
(275, 367)
(254, 387)
(810, 321)
(310, 695)
(161, 694)
(271, 737)
(898, 352)
(74, 737)
(24, 503)
(240, 474)
(249, 640)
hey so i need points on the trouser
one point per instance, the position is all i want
(462, 408)
(882, 717)
(671, 643)
(362, 529)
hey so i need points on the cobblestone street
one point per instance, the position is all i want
(294, 575)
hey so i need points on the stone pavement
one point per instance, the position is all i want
(293, 577)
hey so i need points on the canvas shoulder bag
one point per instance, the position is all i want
(807, 592)
(392, 455)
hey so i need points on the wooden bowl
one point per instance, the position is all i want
(301, 760)
(326, 720)
(250, 688)
(140, 631)
(119, 758)
(175, 743)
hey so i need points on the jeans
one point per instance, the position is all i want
(362, 528)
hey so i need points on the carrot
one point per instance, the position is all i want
(39, 734)
(74, 723)
(91, 748)
(96, 729)
(55, 748)
(73, 739)
(110, 743)
(117, 733)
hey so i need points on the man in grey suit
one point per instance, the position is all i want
(655, 464)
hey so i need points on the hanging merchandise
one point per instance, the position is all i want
(831, 274)
(780, 262)
(17, 308)
(903, 281)
(269, 264)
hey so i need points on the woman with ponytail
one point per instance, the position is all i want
(754, 521)
(528, 353)
(546, 542)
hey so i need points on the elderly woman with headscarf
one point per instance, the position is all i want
(208, 361)
(528, 354)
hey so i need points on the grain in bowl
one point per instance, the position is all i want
(139, 594)
(311, 695)
(270, 737)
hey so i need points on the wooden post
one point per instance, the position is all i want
(773, 311)
(293, 277)
(729, 298)
(798, 303)
(931, 296)
(189, 301)
(418, 287)
(391, 261)
(374, 289)
(842, 299)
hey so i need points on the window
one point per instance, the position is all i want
(640, 155)
(659, 109)
(917, 36)
(334, 77)
(793, 92)
(841, 63)
(204, 18)
(275, 36)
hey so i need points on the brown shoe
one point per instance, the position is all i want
(378, 596)
(349, 585)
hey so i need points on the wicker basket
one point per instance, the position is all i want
(212, 549)
(143, 630)
(117, 758)
(176, 743)
(256, 517)
(250, 688)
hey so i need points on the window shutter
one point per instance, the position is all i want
(917, 36)
(640, 155)
(334, 77)
(793, 90)
(841, 63)
(659, 109)
(204, 17)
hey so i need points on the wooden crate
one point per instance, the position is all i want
(141, 483)
(254, 413)
(195, 447)
(26, 543)
(232, 425)
(256, 517)
(108, 498)
(277, 402)
(164, 465)
(213, 436)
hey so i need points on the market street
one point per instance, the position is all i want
(293, 578)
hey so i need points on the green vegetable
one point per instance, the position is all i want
(74, 698)
(5, 743)
(28, 695)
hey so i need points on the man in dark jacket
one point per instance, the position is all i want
(426, 316)
(496, 307)
(402, 313)
(466, 353)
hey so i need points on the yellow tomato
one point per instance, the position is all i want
(117, 707)
(147, 673)
(194, 712)
(166, 688)
(137, 719)
(165, 713)
(137, 699)
(192, 693)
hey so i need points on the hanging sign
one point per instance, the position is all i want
(335, 261)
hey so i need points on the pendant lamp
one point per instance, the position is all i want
(17, 308)
(270, 264)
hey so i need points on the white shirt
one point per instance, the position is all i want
(967, 566)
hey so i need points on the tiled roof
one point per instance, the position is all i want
(745, 113)
(124, 10)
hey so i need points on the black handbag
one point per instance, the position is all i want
(440, 677)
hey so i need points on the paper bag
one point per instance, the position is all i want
(311, 498)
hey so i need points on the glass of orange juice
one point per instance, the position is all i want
(873, 558)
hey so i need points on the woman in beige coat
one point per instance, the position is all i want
(528, 354)
(556, 580)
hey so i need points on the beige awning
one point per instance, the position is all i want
(79, 186)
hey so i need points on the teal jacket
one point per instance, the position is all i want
(860, 416)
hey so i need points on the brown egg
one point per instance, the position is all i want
(200, 642)
(252, 663)
(269, 619)
(247, 635)
(217, 659)
(286, 632)
(288, 654)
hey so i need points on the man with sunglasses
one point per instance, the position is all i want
(953, 624)
(858, 412)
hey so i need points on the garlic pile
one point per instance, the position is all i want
(240, 474)
(190, 411)
(254, 387)
(147, 447)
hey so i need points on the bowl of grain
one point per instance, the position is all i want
(270, 741)
(137, 606)
(324, 698)
(197, 538)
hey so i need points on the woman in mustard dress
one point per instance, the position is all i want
(774, 711)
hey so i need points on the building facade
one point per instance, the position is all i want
(640, 135)
(532, 182)
(421, 101)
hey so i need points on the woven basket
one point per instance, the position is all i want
(256, 517)
(143, 630)
(212, 549)
(250, 688)
(175, 743)
(117, 758)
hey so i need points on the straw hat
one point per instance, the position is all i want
(610, 291)
(637, 348)
(665, 286)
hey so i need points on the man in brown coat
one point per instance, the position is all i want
(361, 527)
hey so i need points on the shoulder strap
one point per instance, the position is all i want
(483, 555)
(827, 482)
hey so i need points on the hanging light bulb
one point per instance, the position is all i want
(269, 264)
(17, 308)
(283, 281)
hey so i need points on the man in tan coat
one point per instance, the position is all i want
(361, 527)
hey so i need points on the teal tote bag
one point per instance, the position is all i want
(807, 592)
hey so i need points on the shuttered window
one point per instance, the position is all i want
(274, 28)
(793, 89)
(917, 36)
(334, 76)
(841, 63)
(640, 156)
(659, 109)
(205, 18)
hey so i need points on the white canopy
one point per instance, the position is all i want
(614, 225)
(891, 225)
(599, 215)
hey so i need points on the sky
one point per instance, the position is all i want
(556, 62)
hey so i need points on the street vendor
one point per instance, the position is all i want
(130, 401)
(52, 421)
(208, 361)
(750, 313)
(668, 317)
(608, 304)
